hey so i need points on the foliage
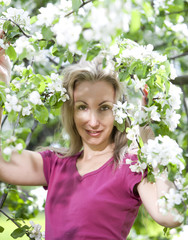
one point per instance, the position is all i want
(145, 40)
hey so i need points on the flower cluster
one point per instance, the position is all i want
(55, 86)
(12, 144)
(161, 151)
(169, 201)
(100, 17)
(19, 16)
(35, 233)
(6, 2)
(120, 111)
(133, 51)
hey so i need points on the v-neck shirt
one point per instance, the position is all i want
(99, 205)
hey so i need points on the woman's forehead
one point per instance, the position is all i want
(98, 89)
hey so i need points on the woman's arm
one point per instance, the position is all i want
(25, 168)
(150, 193)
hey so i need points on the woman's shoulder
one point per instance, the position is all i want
(56, 154)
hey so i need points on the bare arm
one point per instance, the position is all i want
(23, 169)
(150, 193)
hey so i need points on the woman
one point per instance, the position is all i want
(92, 193)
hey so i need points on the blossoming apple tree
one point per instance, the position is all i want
(147, 44)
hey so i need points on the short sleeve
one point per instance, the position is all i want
(133, 178)
(48, 162)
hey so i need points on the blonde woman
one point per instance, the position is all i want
(92, 193)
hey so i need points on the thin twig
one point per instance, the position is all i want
(184, 103)
(4, 120)
(21, 30)
(83, 4)
(35, 124)
(178, 56)
(178, 12)
(3, 197)
(11, 219)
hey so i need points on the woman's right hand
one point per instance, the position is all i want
(5, 65)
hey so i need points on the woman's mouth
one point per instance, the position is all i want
(93, 133)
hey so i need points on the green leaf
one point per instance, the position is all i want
(10, 51)
(33, 19)
(92, 53)
(70, 57)
(47, 33)
(17, 233)
(1, 229)
(41, 114)
(120, 127)
(135, 21)
(76, 4)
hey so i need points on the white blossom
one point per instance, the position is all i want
(175, 96)
(34, 97)
(120, 111)
(23, 44)
(161, 151)
(67, 32)
(138, 83)
(101, 16)
(134, 51)
(168, 202)
(3, 45)
(140, 117)
(19, 16)
(6, 2)
(56, 86)
(138, 167)
(26, 110)
(36, 231)
(12, 103)
(11, 139)
(172, 119)
(133, 133)
(47, 15)
(155, 116)
(19, 147)
(173, 73)
(7, 150)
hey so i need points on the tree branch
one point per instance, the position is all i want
(21, 30)
(180, 55)
(35, 124)
(178, 12)
(83, 4)
(180, 80)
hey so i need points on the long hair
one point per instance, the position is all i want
(90, 71)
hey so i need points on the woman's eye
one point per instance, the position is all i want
(82, 107)
(104, 108)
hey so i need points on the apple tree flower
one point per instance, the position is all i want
(19, 16)
(35, 231)
(6, 2)
(162, 151)
(120, 111)
(169, 202)
(55, 86)
(12, 103)
(34, 97)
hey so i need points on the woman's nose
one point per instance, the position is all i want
(93, 119)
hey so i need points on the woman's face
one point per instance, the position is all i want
(93, 115)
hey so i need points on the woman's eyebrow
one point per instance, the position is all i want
(107, 101)
(77, 101)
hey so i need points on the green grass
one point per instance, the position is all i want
(9, 226)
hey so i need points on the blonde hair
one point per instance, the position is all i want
(90, 71)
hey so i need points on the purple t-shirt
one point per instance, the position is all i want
(99, 205)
